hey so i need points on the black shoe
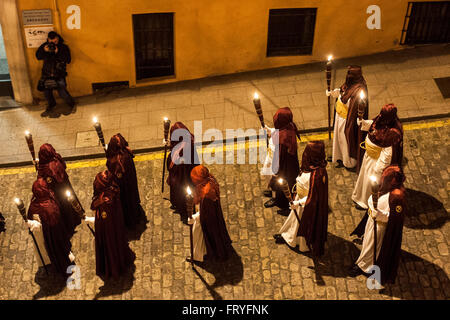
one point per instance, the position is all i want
(278, 238)
(355, 271)
(339, 164)
(330, 159)
(172, 207)
(270, 203)
(267, 193)
(47, 112)
(351, 169)
(358, 207)
(284, 212)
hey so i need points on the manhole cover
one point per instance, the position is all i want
(444, 86)
(87, 139)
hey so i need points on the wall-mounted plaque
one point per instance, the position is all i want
(37, 17)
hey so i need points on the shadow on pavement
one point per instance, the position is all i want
(50, 285)
(114, 287)
(424, 211)
(139, 228)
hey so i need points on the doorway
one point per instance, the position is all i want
(6, 91)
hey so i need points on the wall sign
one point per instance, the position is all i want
(35, 36)
(37, 17)
(74, 20)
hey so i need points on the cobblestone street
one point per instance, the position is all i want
(260, 269)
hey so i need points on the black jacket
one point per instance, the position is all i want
(54, 64)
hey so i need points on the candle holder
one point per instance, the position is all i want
(189, 202)
(328, 76)
(287, 193)
(362, 104)
(166, 137)
(257, 104)
(166, 128)
(77, 207)
(98, 128)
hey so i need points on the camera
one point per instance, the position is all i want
(51, 47)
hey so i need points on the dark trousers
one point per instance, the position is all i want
(63, 93)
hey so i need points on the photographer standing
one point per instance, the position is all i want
(55, 55)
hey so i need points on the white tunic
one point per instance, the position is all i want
(340, 145)
(198, 239)
(266, 170)
(365, 260)
(369, 167)
(290, 227)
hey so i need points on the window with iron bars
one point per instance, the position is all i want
(291, 31)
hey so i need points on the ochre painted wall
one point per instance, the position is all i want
(212, 37)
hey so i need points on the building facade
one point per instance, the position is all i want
(139, 42)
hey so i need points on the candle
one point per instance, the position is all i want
(75, 204)
(285, 189)
(166, 128)
(189, 202)
(362, 104)
(257, 104)
(98, 128)
(29, 139)
(21, 207)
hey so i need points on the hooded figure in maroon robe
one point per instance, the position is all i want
(112, 253)
(388, 258)
(285, 159)
(57, 241)
(207, 194)
(314, 222)
(354, 83)
(52, 169)
(179, 168)
(120, 163)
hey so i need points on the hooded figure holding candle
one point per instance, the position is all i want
(384, 147)
(45, 221)
(389, 213)
(209, 224)
(52, 169)
(311, 204)
(347, 136)
(113, 256)
(182, 159)
(285, 162)
(120, 163)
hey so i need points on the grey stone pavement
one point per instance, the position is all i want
(404, 77)
(261, 269)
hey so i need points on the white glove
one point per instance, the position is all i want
(328, 92)
(358, 121)
(90, 219)
(190, 221)
(34, 225)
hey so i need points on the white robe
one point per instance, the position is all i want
(290, 227)
(266, 170)
(365, 260)
(369, 167)
(198, 239)
(39, 236)
(340, 145)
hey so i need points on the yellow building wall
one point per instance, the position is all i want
(211, 37)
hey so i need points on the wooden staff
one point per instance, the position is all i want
(77, 207)
(257, 104)
(328, 74)
(29, 139)
(98, 128)
(287, 194)
(190, 210)
(166, 137)
(21, 208)
(375, 188)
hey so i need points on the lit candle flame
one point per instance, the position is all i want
(330, 57)
(188, 190)
(373, 179)
(68, 193)
(362, 95)
(256, 96)
(94, 119)
(280, 181)
(166, 119)
(17, 200)
(27, 133)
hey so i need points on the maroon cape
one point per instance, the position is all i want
(120, 163)
(314, 221)
(180, 174)
(112, 253)
(286, 157)
(56, 237)
(52, 169)
(207, 193)
(389, 256)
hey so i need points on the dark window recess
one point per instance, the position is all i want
(291, 31)
(116, 85)
(153, 43)
(444, 86)
(426, 22)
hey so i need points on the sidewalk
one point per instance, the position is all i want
(225, 102)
